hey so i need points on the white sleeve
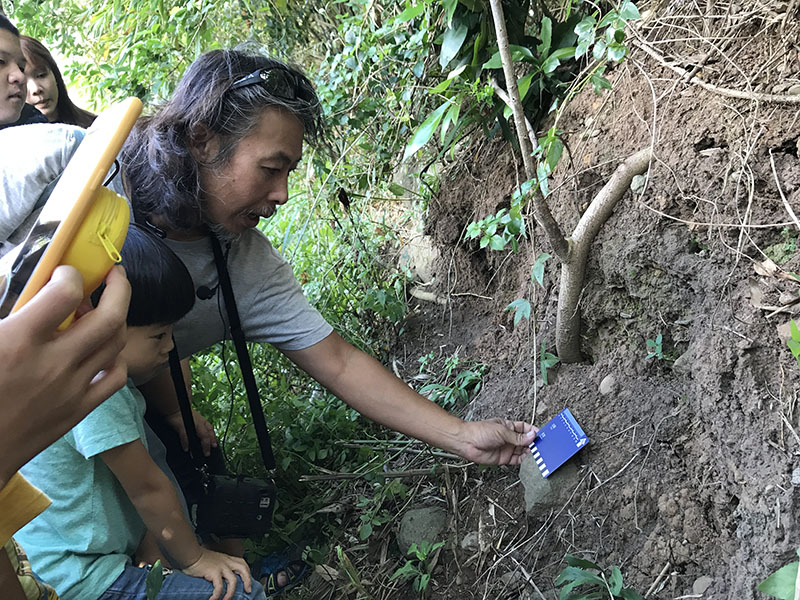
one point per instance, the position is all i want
(32, 157)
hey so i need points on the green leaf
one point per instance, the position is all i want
(154, 581)
(546, 35)
(794, 330)
(615, 581)
(630, 594)
(397, 190)
(609, 18)
(517, 53)
(451, 43)
(521, 308)
(537, 272)
(365, 530)
(576, 561)
(617, 52)
(599, 51)
(450, 118)
(600, 83)
(628, 11)
(581, 49)
(556, 57)
(425, 131)
(554, 151)
(550, 65)
(497, 243)
(585, 29)
(541, 174)
(449, 10)
(523, 85)
(410, 12)
(522, 191)
(441, 87)
(572, 577)
(781, 583)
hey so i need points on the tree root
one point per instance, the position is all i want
(573, 270)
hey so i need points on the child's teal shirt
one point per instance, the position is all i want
(86, 538)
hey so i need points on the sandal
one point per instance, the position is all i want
(267, 569)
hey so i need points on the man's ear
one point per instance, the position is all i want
(203, 144)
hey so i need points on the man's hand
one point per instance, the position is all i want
(52, 379)
(497, 441)
(205, 431)
(216, 568)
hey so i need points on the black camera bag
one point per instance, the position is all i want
(229, 506)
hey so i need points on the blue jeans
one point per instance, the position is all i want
(177, 586)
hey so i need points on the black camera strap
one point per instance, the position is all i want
(245, 365)
(186, 412)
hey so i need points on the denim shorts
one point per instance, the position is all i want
(131, 586)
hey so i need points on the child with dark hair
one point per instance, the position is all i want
(106, 490)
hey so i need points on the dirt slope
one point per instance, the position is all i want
(690, 467)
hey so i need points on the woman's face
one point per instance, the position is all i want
(43, 91)
(256, 180)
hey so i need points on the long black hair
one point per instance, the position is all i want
(38, 57)
(160, 174)
(162, 291)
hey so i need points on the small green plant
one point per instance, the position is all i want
(498, 230)
(596, 583)
(655, 348)
(154, 581)
(520, 306)
(448, 395)
(781, 252)
(419, 567)
(783, 582)
(387, 303)
(425, 360)
(794, 342)
(374, 512)
(546, 361)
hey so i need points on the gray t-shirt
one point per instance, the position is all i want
(269, 299)
(271, 304)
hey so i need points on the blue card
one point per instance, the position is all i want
(557, 442)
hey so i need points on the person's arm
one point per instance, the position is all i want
(157, 503)
(376, 393)
(160, 395)
(59, 376)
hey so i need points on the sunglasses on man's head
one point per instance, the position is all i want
(278, 81)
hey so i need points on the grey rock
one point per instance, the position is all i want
(541, 493)
(419, 256)
(683, 364)
(470, 540)
(637, 183)
(787, 298)
(421, 525)
(796, 476)
(794, 90)
(511, 578)
(608, 385)
(701, 584)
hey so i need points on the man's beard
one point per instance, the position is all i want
(223, 235)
